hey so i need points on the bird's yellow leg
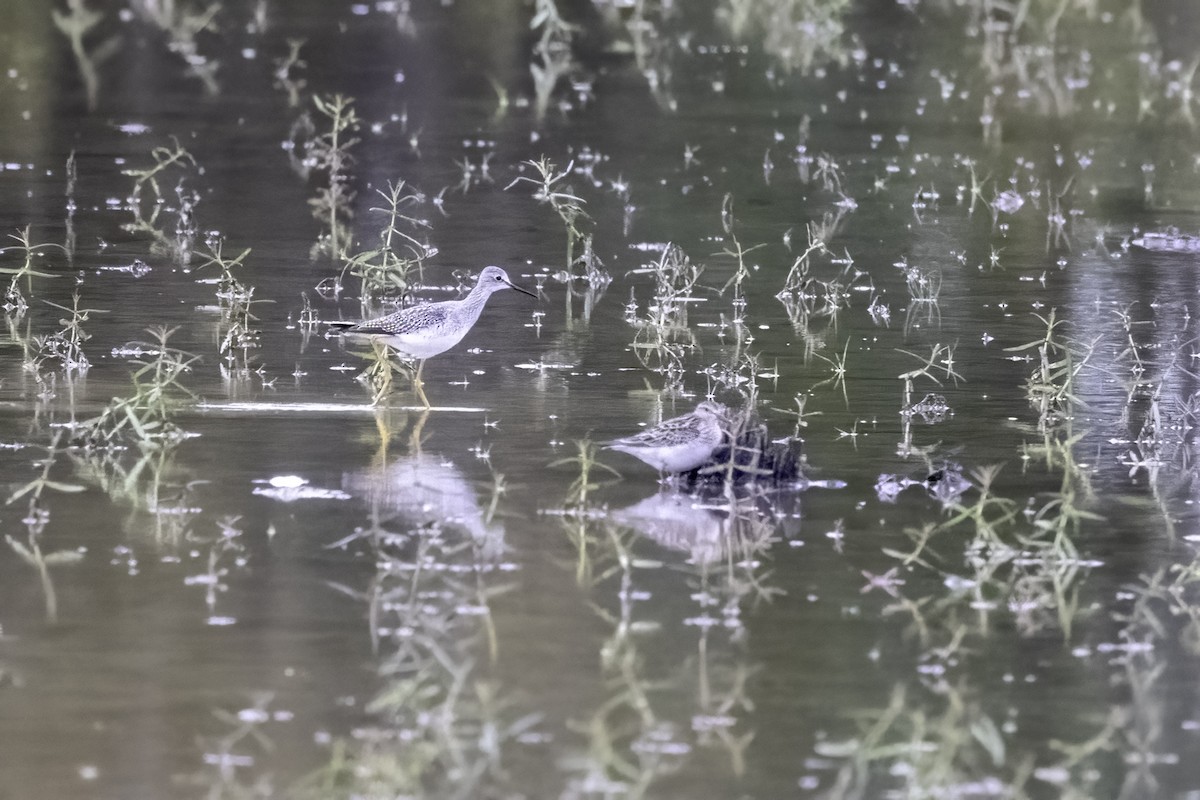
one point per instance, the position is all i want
(419, 385)
(384, 428)
(414, 438)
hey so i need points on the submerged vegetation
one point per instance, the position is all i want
(946, 547)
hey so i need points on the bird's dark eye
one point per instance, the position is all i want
(497, 277)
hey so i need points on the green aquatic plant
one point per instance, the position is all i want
(1060, 518)
(76, 23)
(166, 160)
(328, 153)
(797, 281)
(585, 482)
(183, 21)
(147, 415)
(428, 611)
(837, 372)
(226, 551)
(160, 494)
(663, 336)
(736, 252)
(237, 333)
(388, 271)
(287, 72)
(230, 288)
(927, 744)
(932, 406)
(577, 512)
(228, 755)
(383, 362)
(554, 57)
(799, 35)
(550, 189)
(609, 758)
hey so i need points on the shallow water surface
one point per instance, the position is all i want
(239, 562)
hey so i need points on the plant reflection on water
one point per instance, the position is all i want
(654, 723)
(438, 553)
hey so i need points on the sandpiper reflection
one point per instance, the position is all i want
(684, 523)
(425, 490)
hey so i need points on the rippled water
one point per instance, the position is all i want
(306, 594)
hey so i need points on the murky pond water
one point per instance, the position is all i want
(945, 253)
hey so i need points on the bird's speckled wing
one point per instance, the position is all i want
(669, 432)
(406, 320)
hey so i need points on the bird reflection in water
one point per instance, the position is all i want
(427, 490)
(707, 533)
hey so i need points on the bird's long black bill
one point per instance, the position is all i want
(522, 291)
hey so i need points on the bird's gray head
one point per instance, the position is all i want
(492, 279)
(712, 408)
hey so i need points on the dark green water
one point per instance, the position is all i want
(427, 605)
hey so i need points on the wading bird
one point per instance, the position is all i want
(425, 330)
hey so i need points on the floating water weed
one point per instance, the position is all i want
(65, 346)
(1051, 386)
(924, 288)
(225, 551)
(147, 206)
(940, 357)
(16, 303)
(976, 189)
(37, 517)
